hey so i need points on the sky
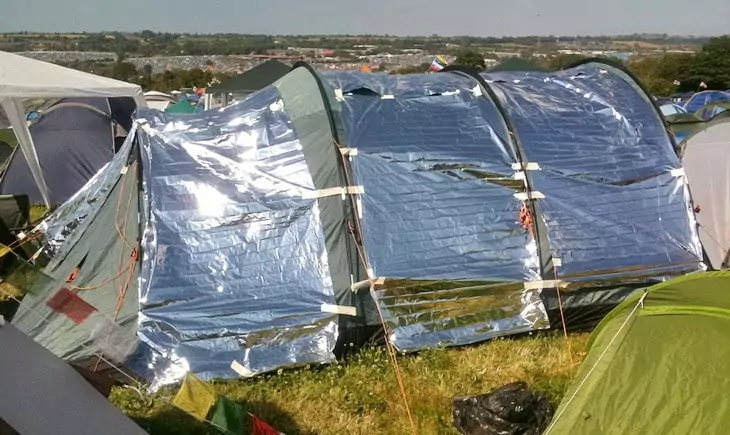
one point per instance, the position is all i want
(395, 17)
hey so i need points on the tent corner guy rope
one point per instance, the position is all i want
(639, 303)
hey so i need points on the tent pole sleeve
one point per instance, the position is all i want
(16, 115)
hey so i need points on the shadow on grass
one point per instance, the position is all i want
(174, 421)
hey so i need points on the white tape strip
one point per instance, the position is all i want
(388, 97)
(524, 196)
(339, 96)
(371, 274)
(557, 262)
(21, 235)
(679, 172)
(358, 205)
(333, 191)
(530, 166)
(124, 170)
(538, 285)
(477, 91)
(348, 151)
(241, 370)
(520, 175)
(339, 309)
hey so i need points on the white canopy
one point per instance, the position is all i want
(22, 78)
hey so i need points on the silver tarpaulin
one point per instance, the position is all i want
(234, 265)
(440, 217)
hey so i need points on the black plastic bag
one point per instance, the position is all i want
(509, 410)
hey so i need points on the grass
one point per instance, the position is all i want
(361, 395)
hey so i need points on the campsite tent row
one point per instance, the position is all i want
(452, 204)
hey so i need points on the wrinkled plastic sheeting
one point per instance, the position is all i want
(69, 221)
(234, 263)
(435, 160)
(616, 204)
(512, 409)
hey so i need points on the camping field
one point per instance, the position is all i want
(362, 396)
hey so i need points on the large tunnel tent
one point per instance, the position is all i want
(452, 204)
(74, 138)
(706, 159)
(23, 78)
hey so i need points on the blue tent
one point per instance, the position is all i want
(74, 138)
(701, 99)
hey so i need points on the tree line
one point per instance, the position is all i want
(663, 75)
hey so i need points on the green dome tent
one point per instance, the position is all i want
(658, 364)
(182, 106)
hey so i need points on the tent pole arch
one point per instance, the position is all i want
(547, 267)
(638, 84)
(323, 94)
(14, 110)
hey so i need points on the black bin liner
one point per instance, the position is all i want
(509, 410)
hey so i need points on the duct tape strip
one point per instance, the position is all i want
(333, 191)
(241, 370)
(339, 96)
(339, 309)
(348, 151)
(520, 175)
(477, 91)
(557, 262)
(538, 285)
(678, 172)
(366, 284)
(388, 97)
(124, 170)
(524, 196)
(531, 166)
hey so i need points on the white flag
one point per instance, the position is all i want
(703, 85)
(677, 83)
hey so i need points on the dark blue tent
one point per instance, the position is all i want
(74, 138)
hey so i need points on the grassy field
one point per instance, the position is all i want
(361, 395)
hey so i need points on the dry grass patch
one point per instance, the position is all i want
(361, 395)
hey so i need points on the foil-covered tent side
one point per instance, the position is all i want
(440, 213)
(234, 262)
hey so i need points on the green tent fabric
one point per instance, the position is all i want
(252, 80)
(658, 364)
(182, 106)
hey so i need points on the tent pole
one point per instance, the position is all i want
(15, 112)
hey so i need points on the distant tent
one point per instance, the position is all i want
(183, 106)
(657, 364)
(682, 125)
(74, 139)
(672, 109)
(709, 111)
(706, 159)
(518, 64)
(252, 80)
(41, 394)
(704, 98)
(159, 100)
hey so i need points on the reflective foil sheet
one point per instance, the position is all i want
(70, 219)
(616, 206)
(234, 265)
(439, 215)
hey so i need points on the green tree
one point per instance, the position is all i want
(712, 64)
(471, 59)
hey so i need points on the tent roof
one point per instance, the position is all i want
(252, 80)
(657, 364)
(40, 391)
(23, 77)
